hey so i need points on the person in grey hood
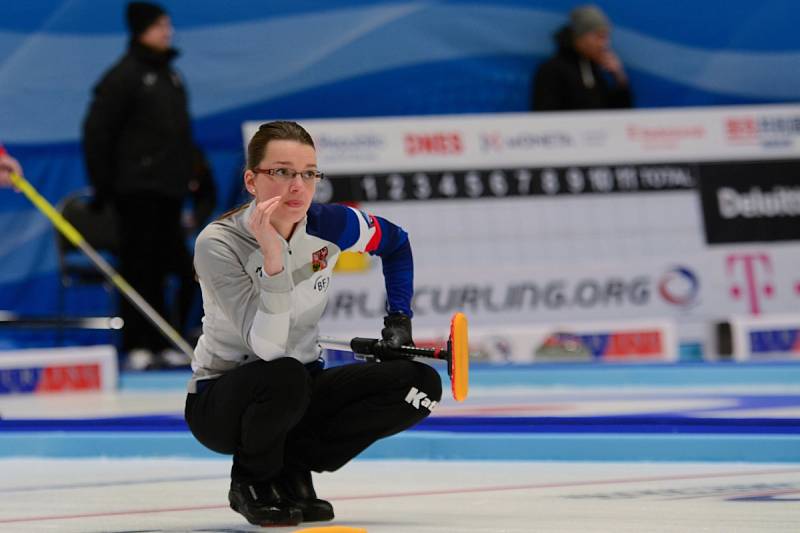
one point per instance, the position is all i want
(584, 73)
(259, 390)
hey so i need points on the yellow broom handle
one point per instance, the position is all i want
(77, 240)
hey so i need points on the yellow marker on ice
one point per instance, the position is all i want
(332, 529)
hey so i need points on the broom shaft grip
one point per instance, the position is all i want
(376, 347)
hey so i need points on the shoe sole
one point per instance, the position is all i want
(311, 517)
(295, 520)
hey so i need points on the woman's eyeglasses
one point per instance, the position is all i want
(287, 174)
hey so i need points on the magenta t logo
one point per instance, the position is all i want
(753, 267)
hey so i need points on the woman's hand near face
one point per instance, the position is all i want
(267, 236)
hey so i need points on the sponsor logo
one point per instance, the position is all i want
(562, 346)
(497, 142)
(743, 129)
(352, 147)
(319, 259)
(495, 348)
(770, 341)
(623, 344)
(583, 346)
(768, 131)
(664, 136)
(757, 203)
(349, 143)
(444, 143)
(752, 279)
(753, 201)
(556, 294)
(50, 379)
(679, 286)
(418, 399)
(524, 296)
(646, 343)
(321, 284)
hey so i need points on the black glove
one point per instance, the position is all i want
(397, 331)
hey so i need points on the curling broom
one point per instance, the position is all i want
(77, 240)
(456, 353)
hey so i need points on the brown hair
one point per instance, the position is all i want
(279, 130)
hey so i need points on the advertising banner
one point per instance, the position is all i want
(44, 371)
(510, 140)
(694, 291)
(535, 219)
(775, 337)
(631, 341)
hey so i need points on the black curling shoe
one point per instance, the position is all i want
(299, 489)
(262, 504)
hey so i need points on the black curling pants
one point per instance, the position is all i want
(275, 414)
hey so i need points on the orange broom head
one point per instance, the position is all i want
(459, 357)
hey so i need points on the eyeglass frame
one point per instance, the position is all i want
(271, 172)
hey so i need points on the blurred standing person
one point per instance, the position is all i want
(584, 73)
(138, 149)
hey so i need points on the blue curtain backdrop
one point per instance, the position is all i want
(300, 59)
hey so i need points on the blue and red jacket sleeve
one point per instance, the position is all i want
(357, 231)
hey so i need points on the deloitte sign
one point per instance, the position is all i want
(755, 201)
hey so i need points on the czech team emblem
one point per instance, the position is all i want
(319, 259)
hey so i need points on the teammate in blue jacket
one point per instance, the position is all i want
(259, 390)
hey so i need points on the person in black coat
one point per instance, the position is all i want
(139, 153)
(584, 73)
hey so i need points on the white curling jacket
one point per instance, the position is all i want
(249, 315)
